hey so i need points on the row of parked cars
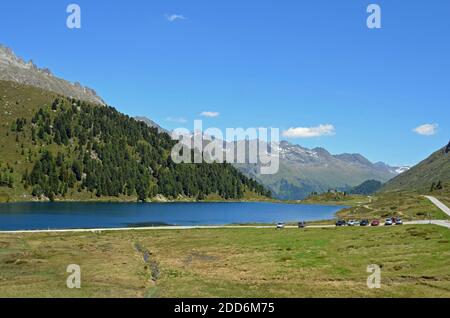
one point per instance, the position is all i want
(388, 222)
(301, 225)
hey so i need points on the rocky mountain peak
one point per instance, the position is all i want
(8, 58)
(15, 69)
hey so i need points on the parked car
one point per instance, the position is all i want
(388, 222)
(351, 223)
(301, 225)
(375, 223)
(398, 222)
(280, 225)
(341, 223)
(364, 223)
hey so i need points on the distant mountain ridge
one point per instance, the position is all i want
(303, 171)
(151, 123)
(394, 170)
(15, 69)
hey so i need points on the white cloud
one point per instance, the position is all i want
(310, 132)
(210, 114)
(174, 17)
(179, 120)
(427, 129)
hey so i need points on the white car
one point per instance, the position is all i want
(388, 222)
(352, 223)
(280, 225)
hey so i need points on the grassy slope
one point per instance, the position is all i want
(337, 199)
(13, 105)
(420, 177)
(415, 262)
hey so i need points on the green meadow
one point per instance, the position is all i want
(329, 262)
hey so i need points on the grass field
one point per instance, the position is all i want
(415, 262)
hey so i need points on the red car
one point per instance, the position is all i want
(375, 223)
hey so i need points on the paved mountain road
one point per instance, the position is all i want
(439, 204)
(424, 222)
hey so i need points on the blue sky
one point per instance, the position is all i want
(286, 64)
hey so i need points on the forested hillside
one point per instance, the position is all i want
(60, 148)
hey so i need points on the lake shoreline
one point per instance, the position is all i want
(93, 215)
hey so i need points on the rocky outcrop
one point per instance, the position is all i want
(15, 69)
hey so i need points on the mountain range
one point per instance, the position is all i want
(303, 171)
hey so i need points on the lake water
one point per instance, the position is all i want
(42, 216)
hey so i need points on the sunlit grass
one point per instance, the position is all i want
(415, 262)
